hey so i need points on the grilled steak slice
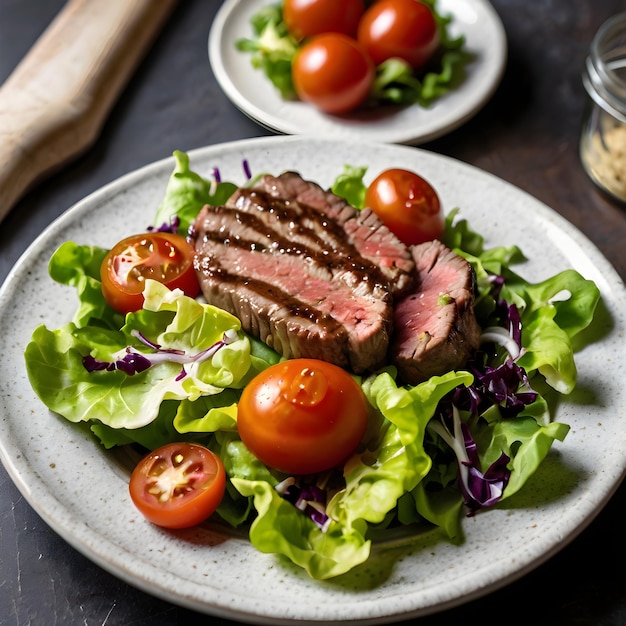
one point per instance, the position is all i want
(293, 278)
(435, 327)
(373, 240)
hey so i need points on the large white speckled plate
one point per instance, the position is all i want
(55, 464)
(252, 92)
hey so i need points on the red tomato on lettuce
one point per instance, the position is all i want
(305, 18)
(404, 29)
(302, 416)
(407, 204)
(332, 72)
(161, 256)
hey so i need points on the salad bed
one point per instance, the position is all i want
(408, 470)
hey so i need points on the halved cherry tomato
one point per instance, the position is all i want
(302, 416)
(178, 485)
(405, 29)
(407, 204)
(305, 18)
(332, 72)
(165, 257)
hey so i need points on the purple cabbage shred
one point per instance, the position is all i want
(217, 176)
(509, 314)
(479, 490)
(132, 362)
(172, 227)
(506, 386)
(308, 498)
(482, 490)
(246, 169)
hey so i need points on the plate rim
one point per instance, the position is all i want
(93, 552)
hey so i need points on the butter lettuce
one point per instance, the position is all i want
(186, 193)
(376, 479)
(54, 361)
(552, 311)
(393, 462)
(556, 310)
(280, 528)
(78, 266)
(271, 48)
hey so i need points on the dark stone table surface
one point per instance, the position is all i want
(527, 135)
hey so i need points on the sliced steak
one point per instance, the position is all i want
(294, 279)
(435, 327)
(373, 240)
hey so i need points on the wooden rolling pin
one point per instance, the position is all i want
(54, 104)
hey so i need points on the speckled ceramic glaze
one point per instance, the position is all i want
(252, 92)
(56, 464)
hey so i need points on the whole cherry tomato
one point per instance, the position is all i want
(179, 485)
(332, 72)
(405, 29)
(302, 416)
(165, 257)
(305, 18)
(407, 204)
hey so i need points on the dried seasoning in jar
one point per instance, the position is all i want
(603, 137)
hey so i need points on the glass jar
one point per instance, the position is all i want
(603, 137)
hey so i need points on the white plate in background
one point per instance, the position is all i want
(252, 92)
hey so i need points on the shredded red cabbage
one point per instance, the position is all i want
(246, 169)
(131, 361)
(172, 227)
(482, 490)
(479, 490)
(308, 498)
(217, 176)
(506, 386)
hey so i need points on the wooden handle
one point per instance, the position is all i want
(55, 102)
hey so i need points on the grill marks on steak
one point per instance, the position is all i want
(435, 327)
(294, 278)
(371, 238)
(311, 276)
(289, 223)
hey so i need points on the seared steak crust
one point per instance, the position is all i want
(435, 327)
(294, 278)
(372, 239)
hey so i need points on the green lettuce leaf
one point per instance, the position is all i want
(557, 309)
(54, 361)
(377, 478)
(186, 193)
(157, 433)
(78, 266)
(552, 311)
(272, 49)
(280, 528)
(208, 414)
(524, 440)
(350, 186)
